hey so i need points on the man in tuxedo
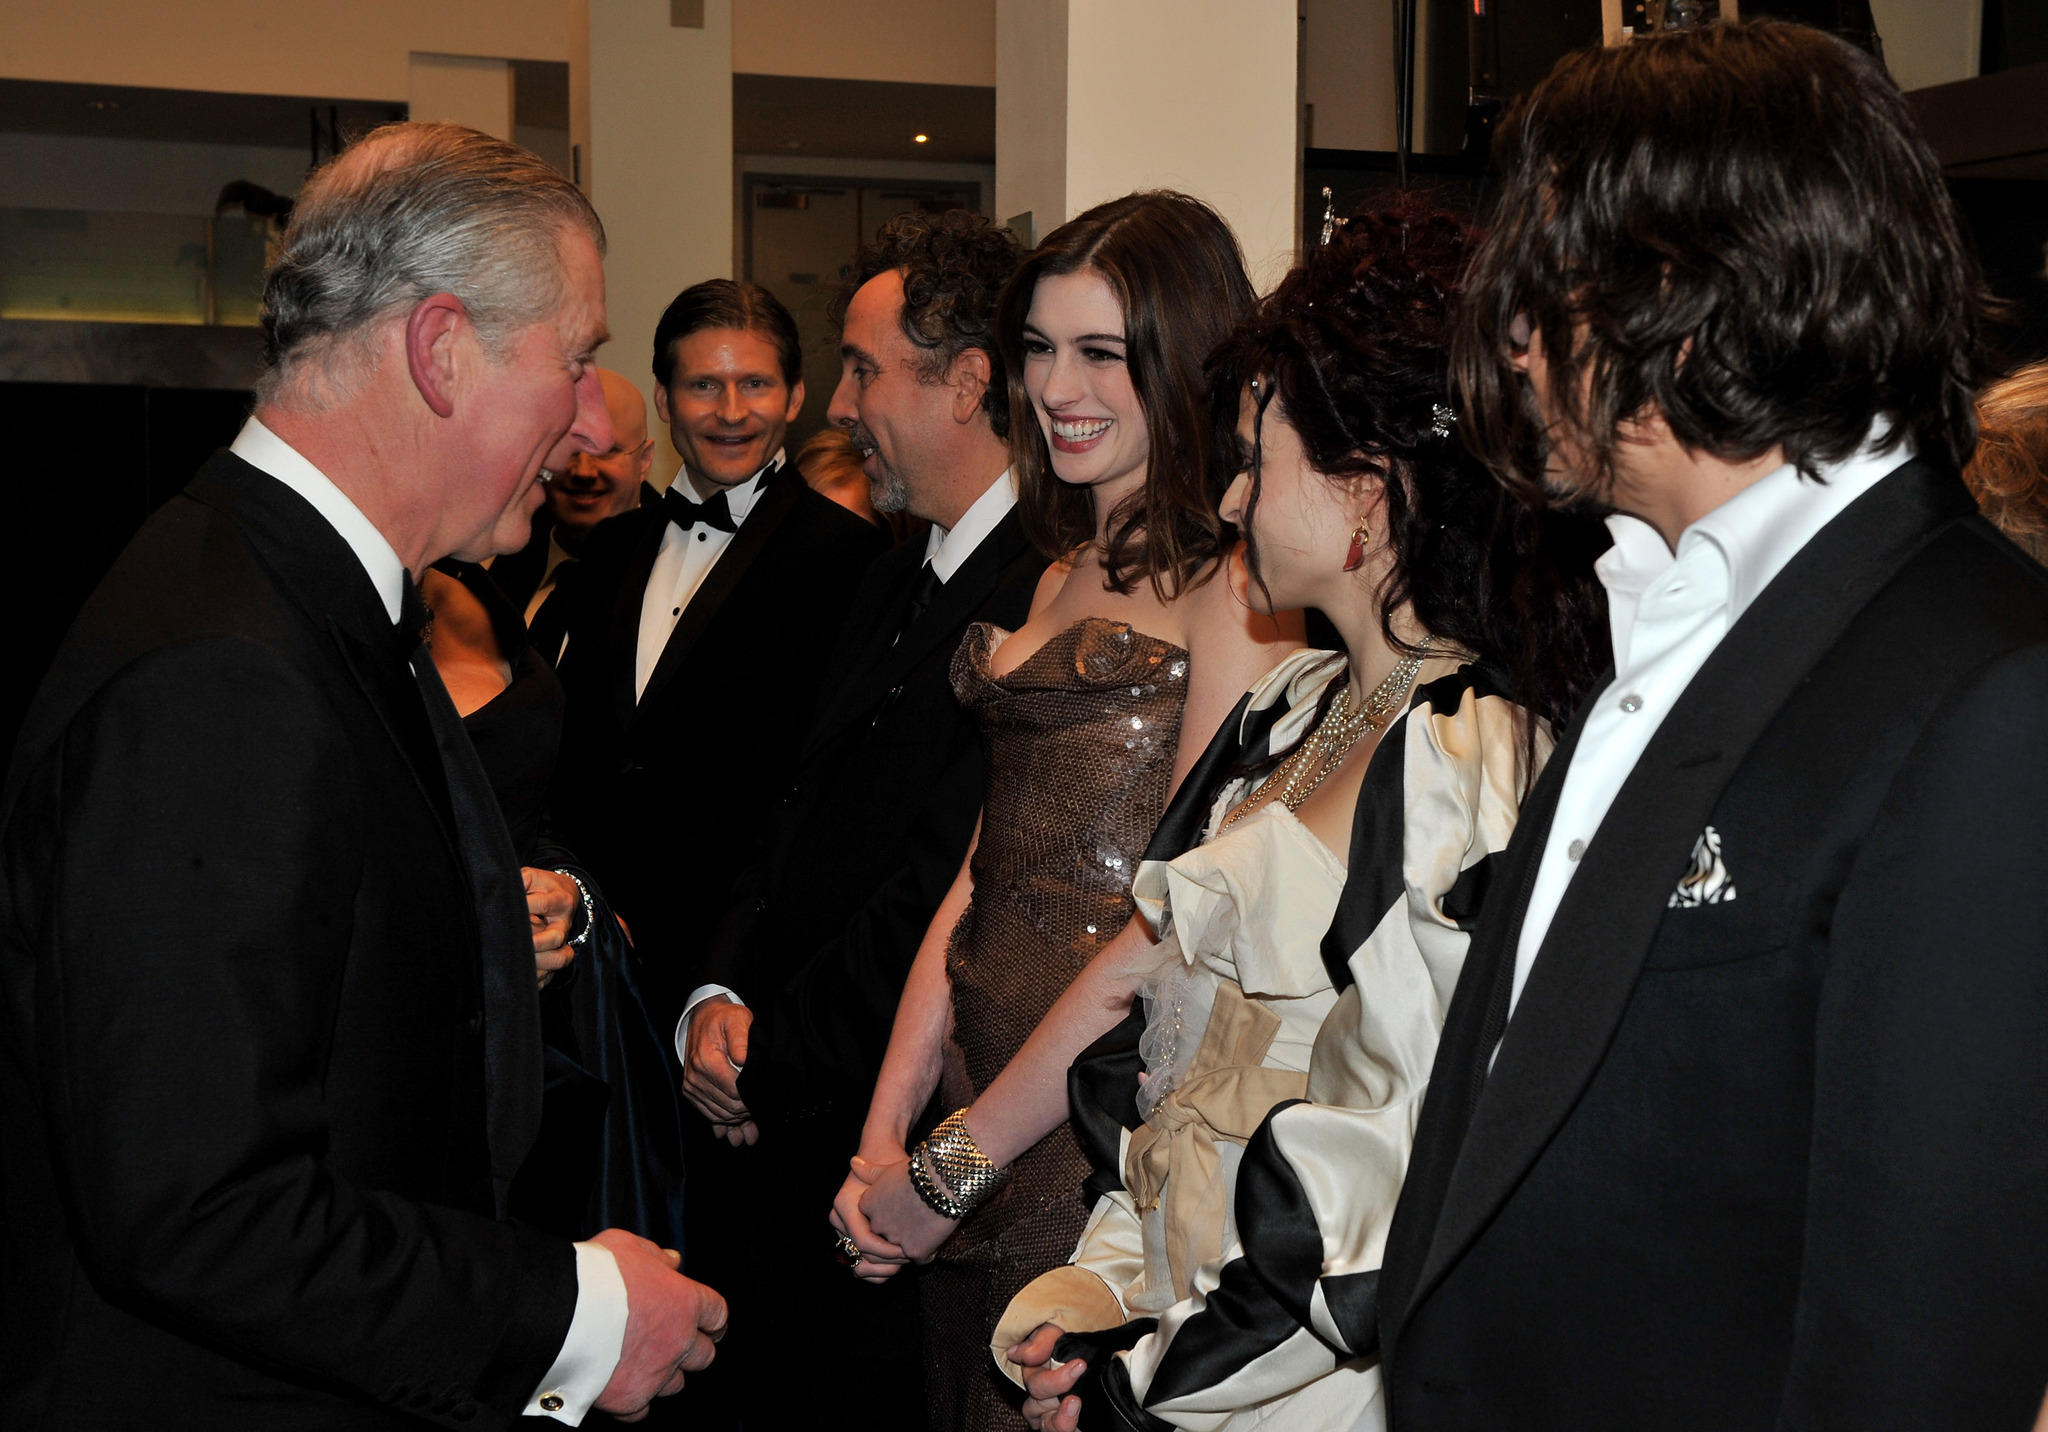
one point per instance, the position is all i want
(698, 630)
(874, 815)
(590, 489)
(273, 1051)
(1737, 1120)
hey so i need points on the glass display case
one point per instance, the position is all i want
(118, 267)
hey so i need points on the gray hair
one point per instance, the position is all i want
(409, 211)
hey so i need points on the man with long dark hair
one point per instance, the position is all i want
(1738, 1116)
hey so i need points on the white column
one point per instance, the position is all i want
(1096, 98)
(659, 168)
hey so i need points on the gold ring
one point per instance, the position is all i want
(848, 1252)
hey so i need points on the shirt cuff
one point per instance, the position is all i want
(597, 1336)
(697, 997)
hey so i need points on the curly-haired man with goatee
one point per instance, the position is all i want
(781, 1052)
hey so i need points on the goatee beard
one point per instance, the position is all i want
(887, 493)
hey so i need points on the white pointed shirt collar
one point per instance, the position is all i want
(1754, 533)
(947, 549)
(268, 453)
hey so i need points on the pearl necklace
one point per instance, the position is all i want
(1324, 749)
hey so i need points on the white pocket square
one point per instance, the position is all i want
(1707, 882)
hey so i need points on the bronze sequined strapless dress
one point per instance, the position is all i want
(1080, 740)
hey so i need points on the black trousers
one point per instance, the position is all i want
(809, 1345)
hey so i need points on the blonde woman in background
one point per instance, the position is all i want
(2009, 474)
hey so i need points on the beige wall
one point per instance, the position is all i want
(660, 168)
(1211, 110)
(462, 89)
(358, 50)
(939, 42)
(1929, 42)
(1348, 72)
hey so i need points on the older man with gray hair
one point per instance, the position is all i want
(272, 1051)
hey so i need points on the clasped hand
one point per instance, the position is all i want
(879, 1209)
(552, 901)
(1047, 1405)
(717, 1044)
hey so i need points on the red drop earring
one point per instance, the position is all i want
(1361, 538)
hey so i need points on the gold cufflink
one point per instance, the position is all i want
(551, 1402)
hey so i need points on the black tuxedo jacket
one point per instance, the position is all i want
(1779, 1161)
(518, 574)
(259, 1057)
(666, 798)
(873, 823)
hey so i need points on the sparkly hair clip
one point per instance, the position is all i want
(1445, 418)
(1329, 217)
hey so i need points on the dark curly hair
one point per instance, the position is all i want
(954, 265)
(1353, 349)
(1739, 228)
(1178, 274)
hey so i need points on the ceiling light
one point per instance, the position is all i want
(920, 138)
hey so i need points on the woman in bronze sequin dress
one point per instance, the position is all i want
(1139, 643)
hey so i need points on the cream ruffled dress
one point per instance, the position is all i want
(1257, 1049)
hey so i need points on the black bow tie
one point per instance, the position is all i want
(686, 514)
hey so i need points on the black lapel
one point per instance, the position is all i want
(314, 565)
(396, 699)
(780, 490)
(622, 643)
(518, 574)
(512, 1038)
(1468, 1040)
(973, 583)
(1586, 970)
(865, 642)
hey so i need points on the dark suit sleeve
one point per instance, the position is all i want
(1924, 1295)
(197, 922)
(824, 1030)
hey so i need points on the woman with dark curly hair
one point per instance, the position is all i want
(1314, 920)
(1137, 645)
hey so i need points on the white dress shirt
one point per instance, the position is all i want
(265, 451)
(1668, 612)
(946, 550)
(597, 1329)
(682, 564)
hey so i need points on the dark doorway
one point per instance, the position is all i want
(85, 464)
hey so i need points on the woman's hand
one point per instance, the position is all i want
(552, 901)
(1047, 1406)
(894, 1210)
(879, 1258)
